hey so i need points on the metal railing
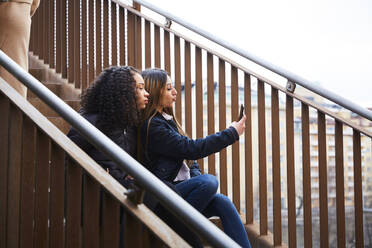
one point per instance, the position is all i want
(166, 196)
(290, 76)
(272, 140)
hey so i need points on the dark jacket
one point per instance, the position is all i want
(165, 149)
(126, 139)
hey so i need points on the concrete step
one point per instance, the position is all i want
(60, 123)
(45, 75)
(54, 87)
(47, 111)
(40, 74)
(62, 90)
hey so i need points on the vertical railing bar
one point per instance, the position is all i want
(275, 135)
(323, 184)
(91, 196)
(114, 35)
(154, 240)
(291, 190)
(131, 229)
(58, 35)
(71, 42)
(46, 32)
(91, 47)
(4, 162)
(84, 46)
(177, 75)
(122, 37)
(76, 57)
(358, 190)
(188, 103)
(306, 176)
(248, 151)
(41, 190)
(340, 192)
(63, 32)
(138, 38)
(222, 122)
(111, 223)
(57, 196)
(210, 104)
(14, 176)
(167, 59)
(42, 29)
(199, 98)
(51, 34)
(235, 146)
(157, 46)
(27, 183)
(262, 156)
(98, 37)
(147, 44)
(73, 204)
(105, 34)
(131, 39)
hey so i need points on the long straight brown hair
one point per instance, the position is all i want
(155, 84)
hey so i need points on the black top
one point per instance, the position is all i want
(165, 148)
(126, 139)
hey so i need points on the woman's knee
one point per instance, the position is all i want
(210, 182)
(223, 201)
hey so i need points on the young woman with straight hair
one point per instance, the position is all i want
(170, 154)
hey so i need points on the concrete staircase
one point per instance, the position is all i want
(59, 86)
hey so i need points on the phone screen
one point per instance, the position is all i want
(241, 111)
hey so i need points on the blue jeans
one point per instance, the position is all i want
(201, 193)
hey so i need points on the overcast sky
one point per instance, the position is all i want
(326, 41)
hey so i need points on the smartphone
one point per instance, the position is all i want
(241, 113)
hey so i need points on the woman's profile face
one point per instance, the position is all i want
(141, 94)
(169, 94)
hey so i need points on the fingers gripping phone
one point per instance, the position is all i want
(241, 113)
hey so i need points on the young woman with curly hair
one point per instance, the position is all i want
(171, 155)
(113, 104)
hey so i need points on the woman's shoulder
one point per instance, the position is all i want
(156, 119)
(155, 124)
(91, 117)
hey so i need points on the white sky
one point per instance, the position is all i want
(326, 41)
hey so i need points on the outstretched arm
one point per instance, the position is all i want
(164, 140)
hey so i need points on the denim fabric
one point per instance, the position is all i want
(201, 193)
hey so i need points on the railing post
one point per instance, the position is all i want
(28, 184)
(14, 176)
(4, 144)
(42, 190)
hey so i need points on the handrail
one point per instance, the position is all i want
(112, 186)
(290, 76)
(190, 216)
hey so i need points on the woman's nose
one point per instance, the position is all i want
(174, 91)
(146, 94)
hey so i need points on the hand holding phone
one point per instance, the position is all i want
(241, 113)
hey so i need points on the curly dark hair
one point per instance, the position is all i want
(113, 97)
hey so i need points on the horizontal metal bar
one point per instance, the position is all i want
(266, 64)
(172, 201)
